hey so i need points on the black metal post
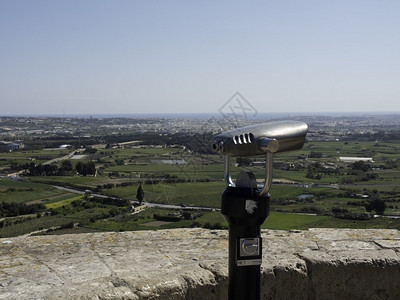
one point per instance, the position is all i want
(245, 211)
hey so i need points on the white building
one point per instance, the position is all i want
(355, 159)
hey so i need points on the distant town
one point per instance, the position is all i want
(15, 132)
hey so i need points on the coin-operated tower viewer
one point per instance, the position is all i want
(245, 204)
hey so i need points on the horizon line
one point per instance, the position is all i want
(213, 114)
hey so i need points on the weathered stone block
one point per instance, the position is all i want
(193, 264)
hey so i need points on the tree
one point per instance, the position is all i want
(80, 168)
(84, 169)
(140, 194)
(66, 167)
(91, 168)
(314, 154)
(187, 215)
(377, 205)
(120, 161)
(361, 165)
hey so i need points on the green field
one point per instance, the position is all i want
(34, 225)
(206, 194)
(21, 192)
(35, 156)
(290, 221)
(334, 186)
(276, 220)
(77, 181)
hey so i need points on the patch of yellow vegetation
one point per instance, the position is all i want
(62, 202)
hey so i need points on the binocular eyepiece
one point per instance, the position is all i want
(274, 137)
(262, 139)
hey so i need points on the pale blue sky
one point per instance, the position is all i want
(148, 56)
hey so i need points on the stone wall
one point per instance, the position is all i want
(192, 264)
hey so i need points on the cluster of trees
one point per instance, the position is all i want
(90, 151)
(66, 168)
(359, 171)
(13, 209)
(167, 218)
(315, 171)
(361, 166)
(113, 185)
(351, 216)
(379, 135)
(172, 179)
(375, 202)
(14, 221)
(110, 201)
(314, 154)
(389, 163)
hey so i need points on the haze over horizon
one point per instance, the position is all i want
(114, 57)
(256, 116)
